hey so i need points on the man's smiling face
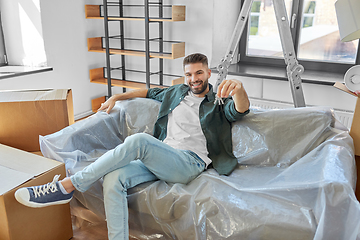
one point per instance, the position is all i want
(197, 76)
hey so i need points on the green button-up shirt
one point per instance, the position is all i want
(215, 122)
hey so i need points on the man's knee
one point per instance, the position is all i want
(112, 182)
(139, 138)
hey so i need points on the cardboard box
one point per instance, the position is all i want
(26, 114)
(18, 222)
(355, 126)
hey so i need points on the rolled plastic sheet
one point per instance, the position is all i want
(295, 179)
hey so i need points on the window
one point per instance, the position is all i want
(22, 49)
(309, 14)
(21, 30)
(314, 31)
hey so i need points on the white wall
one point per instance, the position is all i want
(65, 31)
(224, 19)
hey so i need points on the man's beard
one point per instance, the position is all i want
(200, 90)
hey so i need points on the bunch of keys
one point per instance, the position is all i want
(218, 100)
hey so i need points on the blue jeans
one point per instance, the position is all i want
(141, 158)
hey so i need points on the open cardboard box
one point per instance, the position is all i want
(354, 132)
(26, 114)
(18, 222)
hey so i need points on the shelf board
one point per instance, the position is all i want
(177, 14)
(125, 84)
(179, 80)
(96, 103)
(97, 76)
(177, 50)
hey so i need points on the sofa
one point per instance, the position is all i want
(295, 178)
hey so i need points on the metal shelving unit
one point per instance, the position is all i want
(103, 44)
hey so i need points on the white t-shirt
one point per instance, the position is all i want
(184, 129)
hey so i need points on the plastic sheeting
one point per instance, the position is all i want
(295, 178)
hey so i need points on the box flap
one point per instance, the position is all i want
(343, 87)
(10, 179)
(21, 166)
(33, 95)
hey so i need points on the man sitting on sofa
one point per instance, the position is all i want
(190, 134)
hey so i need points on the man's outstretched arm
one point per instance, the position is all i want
(110, 103)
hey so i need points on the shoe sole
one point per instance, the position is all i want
(40, 205)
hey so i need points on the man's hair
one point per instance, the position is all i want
(195, 58)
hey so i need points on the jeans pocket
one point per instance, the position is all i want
(198, 165)
(196, 157)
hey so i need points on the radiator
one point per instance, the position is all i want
(345, 117)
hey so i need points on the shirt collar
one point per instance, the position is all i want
(210, 95)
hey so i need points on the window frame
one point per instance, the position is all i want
(297, 6)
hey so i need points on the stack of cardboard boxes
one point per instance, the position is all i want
(24, 115)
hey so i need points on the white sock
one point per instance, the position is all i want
(62, 189)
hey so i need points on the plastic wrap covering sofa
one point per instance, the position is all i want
(295, 178)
